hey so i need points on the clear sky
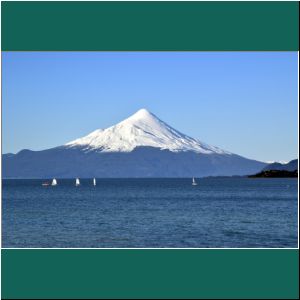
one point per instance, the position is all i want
(243, 102)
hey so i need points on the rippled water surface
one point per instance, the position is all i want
(218, 212)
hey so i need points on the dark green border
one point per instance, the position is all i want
(159, 273)
(157, 26)
(150, 26)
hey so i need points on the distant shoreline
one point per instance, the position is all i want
(275, 174)
(187, 178)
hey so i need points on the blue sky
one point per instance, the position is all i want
(243, 102)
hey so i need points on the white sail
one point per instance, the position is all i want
(194, 182)
(94, 181)
(54, 182)
(77, 182)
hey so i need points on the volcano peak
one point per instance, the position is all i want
(142, 129)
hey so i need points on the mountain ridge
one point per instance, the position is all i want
(290, 166)
(139, 146)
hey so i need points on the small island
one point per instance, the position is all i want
(275, 174)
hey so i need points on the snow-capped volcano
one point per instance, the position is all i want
(140, 146)
(142, 129)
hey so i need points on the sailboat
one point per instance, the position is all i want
(77, 182)
(54, 182)
(94, 181)
(194, 182)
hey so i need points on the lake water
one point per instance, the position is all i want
(156, 213)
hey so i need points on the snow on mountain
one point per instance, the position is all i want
(283, 162)
(142, 129)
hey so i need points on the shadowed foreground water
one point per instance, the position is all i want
(219, 212)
